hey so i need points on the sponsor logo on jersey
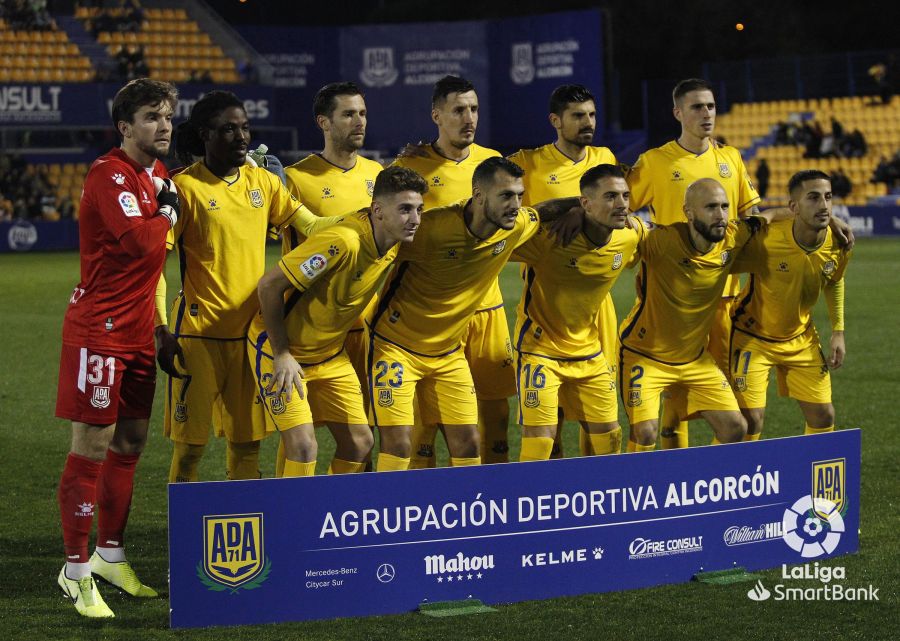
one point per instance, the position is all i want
(676, 175)
(233, 552)
(333, 251)
(378, 68)
(828, 482)
(828, 268)
(532, 398)
(256, 198)
(314, 265)
(129, 204)
(385, 397)
(783, 266)
(573, 263)
(451, 253)
(499, 247)
(100, 398)
(85, 509)
(213, 205)
(617, 260)
(326, 193)
(521, 70)
(119, 179)
(552, 179)
(436, 181)
(724, 170)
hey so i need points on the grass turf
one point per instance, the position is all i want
(35, 289)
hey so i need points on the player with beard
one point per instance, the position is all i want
(107, 376)
(791, 262)
(426, 311)
(553, 171)
(683, 272)
(448, 165)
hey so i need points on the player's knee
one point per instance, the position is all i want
(820, 415)
(755, 420)
(734, 428)
(395, 441)
(645, 433)
(359, 445)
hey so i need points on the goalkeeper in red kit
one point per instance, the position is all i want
(107, 372)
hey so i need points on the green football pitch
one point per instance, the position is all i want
(35, 289)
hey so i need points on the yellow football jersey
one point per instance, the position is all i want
(549, 173)
(661, 176)
(450, 181)
(678, 291)
(441, 278)
(564, 287)
(329, 190)
(785, 281)
(336, 273)
(221, 242)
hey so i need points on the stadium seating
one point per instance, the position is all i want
(751, 127)
(41, 56)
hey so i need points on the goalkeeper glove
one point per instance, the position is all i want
(167, 197)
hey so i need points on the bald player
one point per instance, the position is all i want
(683, 272)
(553, 171)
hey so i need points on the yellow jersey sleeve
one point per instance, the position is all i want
(314, 258)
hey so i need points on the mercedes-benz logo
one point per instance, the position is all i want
(385, 573)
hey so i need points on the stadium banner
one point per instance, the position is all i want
(874, 220)
(90, 105)
(530, 57)
(248, 552)
(38, 235)
(396, 66)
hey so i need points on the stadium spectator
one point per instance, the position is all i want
(888, 171)
(841, 186)
(247, 71)
(107, 376)
(854, 145)
(762, 178)
(28, 15)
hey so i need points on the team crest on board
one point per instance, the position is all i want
(829, 482)
(256, 198)
(385, 397)
(378, 67)
(532, 398)
(233, 552)
(724, 170)
(521, 71)
(499, 247)
(370, 187)
(181, 412)
(828, 268)
(617, 260)
(100, 398)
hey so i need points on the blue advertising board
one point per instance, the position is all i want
(244, 552)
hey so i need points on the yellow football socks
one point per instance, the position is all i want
(606, 443)
(298, 468)
(391, 463)
(536, 448)
(752, 437)
(340, 466)
(457, 461)
(637, 447)
(242, 460)
(817, 430)
(185, 461)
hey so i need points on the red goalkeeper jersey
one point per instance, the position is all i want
(112, 306)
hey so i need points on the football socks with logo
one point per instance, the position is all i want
(676, 439)
(77, 495)
(422, 438)
(242, 461)
(185, 461)
(606, 443)
(391, 463)
(536, 448)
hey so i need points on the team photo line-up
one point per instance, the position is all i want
(385, 312)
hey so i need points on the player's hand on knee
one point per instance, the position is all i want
(286, 376)
(167, 350)
(167, 197)
(568, 226)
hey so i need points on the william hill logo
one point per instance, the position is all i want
(233, 553)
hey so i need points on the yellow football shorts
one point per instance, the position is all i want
(642, 380)
(218, 390)
(584, 388)
(443, 385)
(331, 392)
(609, 335)
(799, 363)
(488, 350)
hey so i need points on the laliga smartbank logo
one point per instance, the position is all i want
(233, 553)
(827, 591)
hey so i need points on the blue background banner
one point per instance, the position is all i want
(358, 545)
